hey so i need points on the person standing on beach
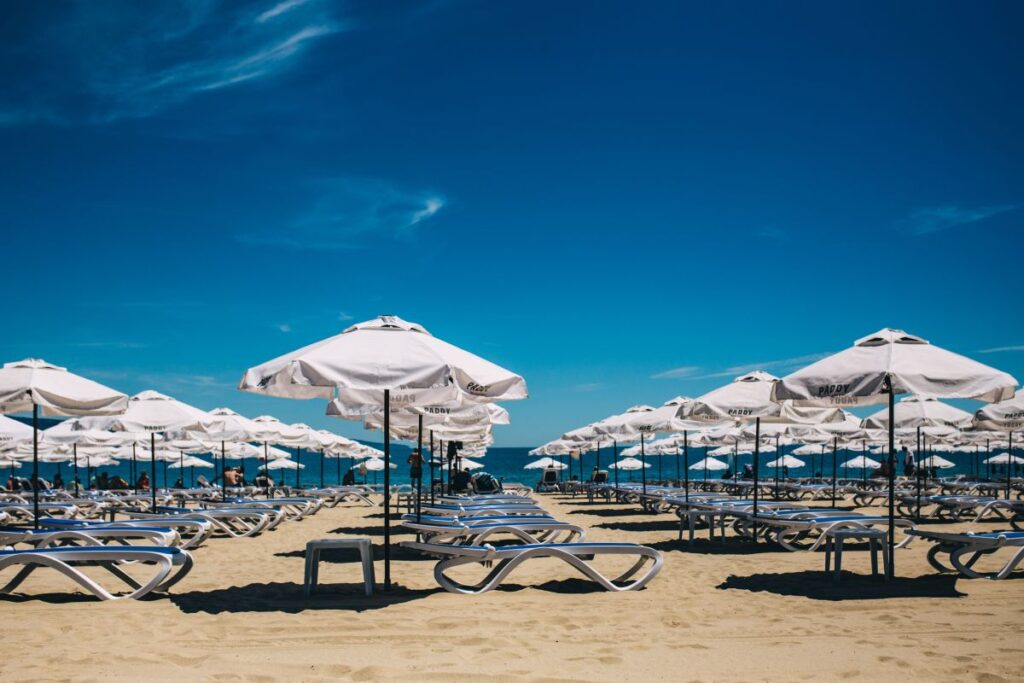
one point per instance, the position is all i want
(908, 462)
(415, 462)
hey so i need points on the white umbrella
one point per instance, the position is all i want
(32, 384)
(863, 463)
(282, 464)
(918, 411)
(890, 362)
(937, 461)
(627, 464)
(545, 463)
(709, 464)
(1005, 416)
(1003, 459)
(787, 461)
(377, 465)
(12, 430)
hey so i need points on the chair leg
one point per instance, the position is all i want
(839, 556)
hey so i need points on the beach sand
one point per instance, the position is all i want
(724, 612)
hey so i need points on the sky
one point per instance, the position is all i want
(622, 202)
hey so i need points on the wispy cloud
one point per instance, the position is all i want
(676, 373)
(108, 345)
(588, 387)
(779, 366)
(101, 63)
(284, 327)
(1001, 349)
(934, 219)
(344, 317)
(347, 213)
(771, 232)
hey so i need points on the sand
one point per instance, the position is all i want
(725, 612)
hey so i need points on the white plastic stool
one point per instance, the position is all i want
(313, 549)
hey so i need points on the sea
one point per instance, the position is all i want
(504, 463)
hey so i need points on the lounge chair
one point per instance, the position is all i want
(789, 532)
(533, 532)
(965, 549)
(192, 532)
(107, 557)
(548, 481)
(108, 534)
(507, 558)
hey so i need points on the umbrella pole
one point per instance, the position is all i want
(339, 470)
(298, 459)
(266, 463)
(917, 467)
(890, 570)
(419, 464)
(387, 489)
(181, 467)
(835, 447)
(152, 464)
(1009, 463)
(705, 464)
(223, 468)
(757, 452)
(686, 465)
(131, 473)
(615, 460)
(643, 464)
(321, 468)
(778, 457)
(35, 463)
(431, 465)
(988, 458)
(74, 449)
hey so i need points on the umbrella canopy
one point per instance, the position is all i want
(57, 392)
(384, 353)
(863, 463)
(12, 430)
(282, 464)
(1005, 416)
(271, 430)
(918, 411)
(190, 461)
(807, 449)
(468, 464)
(746, 397)
(377, 465)
(224, 424)
(626, 464)
(937, 461)
(151, 412)
(560, 447)
(709, 464)
(545, 463)
(858, 375)
(787, 461)
(1003, 459)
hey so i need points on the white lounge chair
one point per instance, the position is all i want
(965, 550)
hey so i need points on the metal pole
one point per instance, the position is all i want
(643, 463)
(835, 473)
(778, 459)
(419, 464)
(35, 463)
(686, 465)
(387, 489)
(266, 465)
(322, 458)
(615, 460)
(890, 570)
(131, 471)
(917, 465)
(705, 463)
(223, 469)
(298, 468)
(152, 464)
(757, 452)
(431, 465)
(1009, 463)
(74, 449)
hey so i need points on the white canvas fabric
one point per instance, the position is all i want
(151, 411)
(857, 375)
(271, 430)
(709, 464)
(1005, 416)
(223, 424)
(282, 464)
(787, 461)
(1003, 459)
(377, 465)
(862, 462)
(917, 411)
(628, 464)
(56, 391)
(937, 461)
(384, 353)
(12, 430)
(544, 463)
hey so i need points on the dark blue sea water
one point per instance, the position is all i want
(504, 463)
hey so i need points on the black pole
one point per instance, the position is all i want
(615, 459)
(1009, 463)
(431, 465)
(35, 463)
(891, 569)
(778, 466)
(266, 466)
(419, 465)
(643, 464)
(152, 464)
(298, 468)
(917, 464)
(338, 467)
(597, 459)
(131, 470)
(322, 458)
(757, 452)
(74, 449)
(705, 463)
(988, 457)
(835, 472)
(223, 469)
(181, 467)
(387, 489)
(686, 465)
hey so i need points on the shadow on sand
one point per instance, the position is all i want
(818, 585)
(371, 530)
(351, 556)
(610, 512)
(732, 546)
(288, 598)
(664, 525)
(565, 586)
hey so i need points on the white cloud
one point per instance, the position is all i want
(347, 213)
(934, 219)
(676, 373)
(343, 317)
(102, 63)
(1001, 349)
(284, 327)
(586, 388)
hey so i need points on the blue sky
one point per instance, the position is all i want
(621, 202)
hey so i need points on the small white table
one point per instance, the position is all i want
(876, 538)
(314, 548)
